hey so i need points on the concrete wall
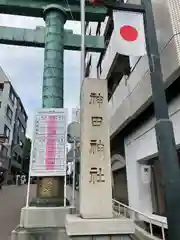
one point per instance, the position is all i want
(139, 145)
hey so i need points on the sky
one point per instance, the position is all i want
(24, 67)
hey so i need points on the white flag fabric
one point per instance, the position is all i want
(129, 35)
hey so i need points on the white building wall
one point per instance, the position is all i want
(138, 145)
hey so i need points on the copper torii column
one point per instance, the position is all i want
(50, 190)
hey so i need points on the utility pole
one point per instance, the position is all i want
(164, 129)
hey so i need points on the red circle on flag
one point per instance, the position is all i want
(129, 33)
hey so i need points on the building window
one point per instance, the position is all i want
(21, 144)
(109, 31)
(98, 32)
(15, 156)
(0, 104)
(89, 32)
(9, 113)
(18, 140)
(88, 67)
(20, 108)
(86, 26)
(12, 96)
(17, 124)
(19, 159)
(7, 132)
(1, 87)
(4, 151)
(22, 129)
(99, 70)
(24, 116)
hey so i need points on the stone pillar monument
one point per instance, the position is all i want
(96, 213)
(95, 181)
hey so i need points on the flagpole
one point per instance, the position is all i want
(82, 41)
(82, 74)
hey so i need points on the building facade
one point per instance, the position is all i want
(13, 123)
(132, 117)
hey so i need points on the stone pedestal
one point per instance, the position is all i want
(44, 217)
(39, 233)
(42, 223)
(77, 226)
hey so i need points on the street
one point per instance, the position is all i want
(12, 199)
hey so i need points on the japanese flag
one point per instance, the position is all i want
(128, 36)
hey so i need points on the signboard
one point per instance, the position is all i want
(146, 174)
(48, 155)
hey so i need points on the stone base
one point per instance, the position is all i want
(39, 233)
(77, 226)
(37, 217)
(48, 202)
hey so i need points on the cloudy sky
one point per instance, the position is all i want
(24, 66)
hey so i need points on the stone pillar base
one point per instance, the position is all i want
(43, 217)
(77, 227)
(39, 233)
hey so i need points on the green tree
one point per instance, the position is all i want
(26, 155)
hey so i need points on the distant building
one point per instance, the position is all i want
(13, 123)
(76, 115)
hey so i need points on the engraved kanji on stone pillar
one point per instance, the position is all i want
(95, 181)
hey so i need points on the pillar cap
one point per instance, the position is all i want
(54, 7)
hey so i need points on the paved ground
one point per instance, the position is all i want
(12, 199)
